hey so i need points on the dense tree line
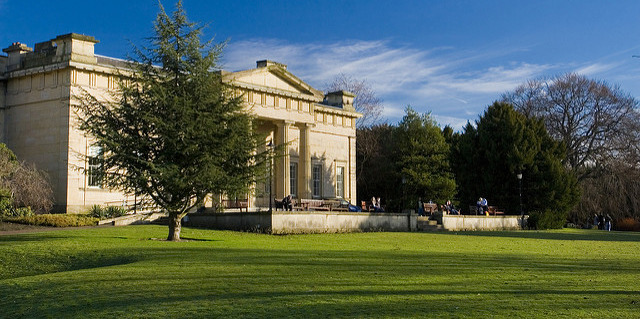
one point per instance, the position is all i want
(488, 157)
(600, 126)
(404, 163)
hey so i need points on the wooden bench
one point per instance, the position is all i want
(315, 204)
(335, 206)
(429, 208)
(236, 203)
(493, 210)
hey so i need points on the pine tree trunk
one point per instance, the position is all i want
(174, 227)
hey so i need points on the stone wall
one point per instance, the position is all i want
(332, 222)
(305, 222)
(465, 222)
(252, 221)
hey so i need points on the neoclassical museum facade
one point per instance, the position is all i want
(38, 122)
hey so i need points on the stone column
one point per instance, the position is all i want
(351, 173)
(282, 163)
(304, 161)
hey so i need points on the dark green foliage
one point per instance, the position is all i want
(106, 212)
(376, 175)
(177, 133)
(8, 210)
(599, 124)
(421, 157)
(415, 151)
(546, 219)
(488, 158)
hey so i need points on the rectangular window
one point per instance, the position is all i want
(340, 181)
(293, 178)
(94, 169)
(317, 180)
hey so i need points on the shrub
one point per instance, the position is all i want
(628, 224)
(97, 212)
(115, 211)
(55, 220)
(7, 210)
(546, 220)
(106, 212)
(23, 185)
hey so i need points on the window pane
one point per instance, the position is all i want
(293, 178)
(94, 169)
(317, 180)
(340, 182)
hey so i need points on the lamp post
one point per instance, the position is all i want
(520, 191)
(270, 146)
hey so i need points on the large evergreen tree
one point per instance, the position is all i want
(505, 143)
(421, 157)
(176, 133)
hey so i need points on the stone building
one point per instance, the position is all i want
(38, 122)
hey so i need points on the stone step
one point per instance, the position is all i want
(430, 228)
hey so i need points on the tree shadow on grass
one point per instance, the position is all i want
(587, 235)
(201, 280)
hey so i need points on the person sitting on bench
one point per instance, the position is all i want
(450, 209)
(483, 206)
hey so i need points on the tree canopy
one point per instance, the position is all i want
(600, 126)
(175, 132)
(488, 158)
(422, 158)
(406, 162)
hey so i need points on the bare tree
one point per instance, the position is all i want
(366, 101)
(31, 188)
(600, 127)
(23, 184)
(597, 122)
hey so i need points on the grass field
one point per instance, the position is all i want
(125, 272)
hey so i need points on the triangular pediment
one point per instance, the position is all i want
(272, 78)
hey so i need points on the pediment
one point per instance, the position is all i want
(272, 78)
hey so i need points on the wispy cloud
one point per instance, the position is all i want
(596, 68)
(442, 79)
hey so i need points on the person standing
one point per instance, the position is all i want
(607, 223)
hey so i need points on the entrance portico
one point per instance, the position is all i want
(318, 130)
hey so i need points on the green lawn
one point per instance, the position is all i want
(125, 272)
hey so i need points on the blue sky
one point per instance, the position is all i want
(450, 58)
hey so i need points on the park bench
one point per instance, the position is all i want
(493, 210)
(336, 206)
(315, 204)
(236, 203)
(429, 208)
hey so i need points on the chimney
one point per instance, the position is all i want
(76, 47)
(15, 53)
(341, 99)
(266, 63)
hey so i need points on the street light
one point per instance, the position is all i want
(520, 182)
